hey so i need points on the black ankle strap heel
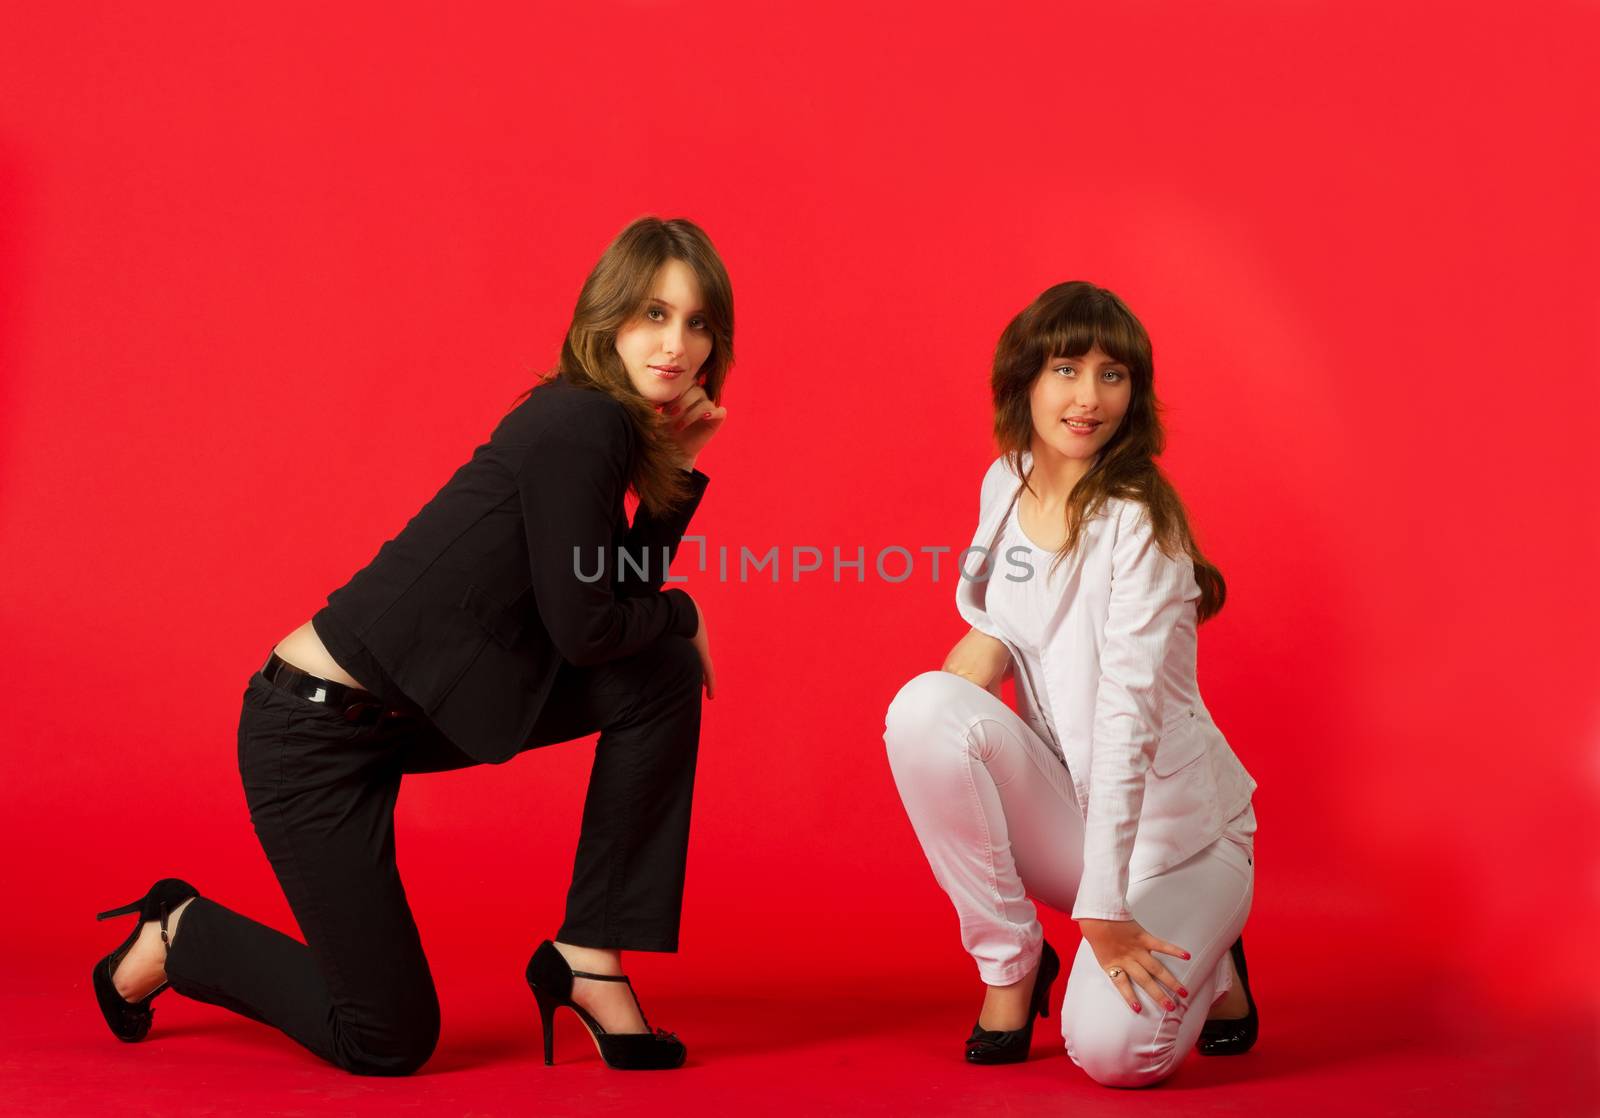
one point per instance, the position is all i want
(1010, 1046)
(550, 978)
(130, 1021)
(1236, 1037)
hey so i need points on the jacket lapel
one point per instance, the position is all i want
(972, 596)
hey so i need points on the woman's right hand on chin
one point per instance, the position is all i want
(980, 658)
(702, 645)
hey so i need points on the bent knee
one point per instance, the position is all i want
(393, 1052)
(923, 704)
(680, 662)
(399, 1059)
(684, 659)
(1113, 1059)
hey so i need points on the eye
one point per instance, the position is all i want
(1116, 375)
(652, 314)
(698, 323)
(1064, 369)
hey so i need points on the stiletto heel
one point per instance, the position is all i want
(547, 1023)
(130, 1021)
(132, 906)
(1010, 1046)
(550, 978)
(1238, 1036)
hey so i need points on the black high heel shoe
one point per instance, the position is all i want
(130, 1021)
(1010, 1046)
(550, 978)
(1232, 1038)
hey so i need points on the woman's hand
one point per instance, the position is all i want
(702, 645)
(1125, 945)
(691, 420)
(980, 658)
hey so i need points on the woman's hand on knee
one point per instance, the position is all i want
(702, 645)
(1123, 949)
(980, 658)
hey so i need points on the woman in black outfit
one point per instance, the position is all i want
(518, 608)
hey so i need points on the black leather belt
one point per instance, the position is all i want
(356, 704)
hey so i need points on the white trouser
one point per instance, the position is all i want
(993, 807)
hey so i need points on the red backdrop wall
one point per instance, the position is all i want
(270, 277)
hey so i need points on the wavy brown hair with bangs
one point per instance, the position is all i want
(1068, 320)
(617, 291)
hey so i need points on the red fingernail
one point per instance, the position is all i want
(1182, 993)
(1170, 1006)
(1186, 955)
(707, 415)
(1137, 1008)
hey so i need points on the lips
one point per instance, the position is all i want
(667, 372)
(1082, 424)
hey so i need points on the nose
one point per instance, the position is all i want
(672, 339)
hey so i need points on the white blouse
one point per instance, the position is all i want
(1022, 598)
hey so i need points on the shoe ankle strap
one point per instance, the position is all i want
(601, 977)
(617, 978)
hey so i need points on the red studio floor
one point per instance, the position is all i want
(791, 1033)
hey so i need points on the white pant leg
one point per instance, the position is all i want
(1201, 906)
(993, 807)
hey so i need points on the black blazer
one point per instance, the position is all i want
(473, 606)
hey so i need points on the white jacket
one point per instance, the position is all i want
(1155, 779)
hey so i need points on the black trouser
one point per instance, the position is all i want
(321, 793)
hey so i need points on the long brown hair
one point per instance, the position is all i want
(1067, 320)
(616, 291)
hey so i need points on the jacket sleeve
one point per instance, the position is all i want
(653, 543)
(570, 483)
(1149, 594)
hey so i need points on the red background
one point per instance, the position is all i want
(268, 278)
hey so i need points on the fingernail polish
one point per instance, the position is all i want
(1182, 993)
(1170, 1007)
(706, 415)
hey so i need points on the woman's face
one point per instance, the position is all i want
(664, 345)
(1078, 403)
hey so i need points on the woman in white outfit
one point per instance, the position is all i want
(1109, 792)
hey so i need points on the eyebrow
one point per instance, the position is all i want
(1080, 360)
(664, 303)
